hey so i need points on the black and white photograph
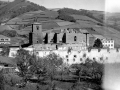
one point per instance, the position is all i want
(59, 44)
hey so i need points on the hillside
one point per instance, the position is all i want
(96, 16)
(3, 3)
(113, 19)
(52, 19)
(17, 8)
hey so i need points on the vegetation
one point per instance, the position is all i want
(5, 51)
(50, 72)
(66, 17)
(17, 8)
(72, 11)
(24, 60)
(98, 44)
(31, 66)
(3, 3)
(2, 82)
(9, 33)
(31, 7)
(68, 11)
(90, 71)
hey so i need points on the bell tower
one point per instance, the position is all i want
(37, 33)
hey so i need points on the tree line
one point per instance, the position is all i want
(68, 11)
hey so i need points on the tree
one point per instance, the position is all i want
(90, 70)
(2, 81)
(38, 68)
(24, 60)
(9, 33)
(30, 65)
(5, 51)
(52, 62)
(66, 17)
(98, 44)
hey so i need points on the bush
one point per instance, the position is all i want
(90, 70)
(66, 17)
(2, 82)
(5, 51)
(98, 44)
(9, 33)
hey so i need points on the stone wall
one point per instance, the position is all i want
(103, 55)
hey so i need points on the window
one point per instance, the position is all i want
(6, 39)
(94, 58)
(66, 56)
(67, 60)
(75, 56)
(37, 41)
(74, 59)
(80, 59)
(75, 38)
(2, 39)
(37, 27)
(111, 41)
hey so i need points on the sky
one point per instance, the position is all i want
(101, 5)
(112, 5)
(76, 4)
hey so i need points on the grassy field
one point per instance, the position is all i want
(84, 18)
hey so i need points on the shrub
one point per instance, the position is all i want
(66, 17)
(2, 82)
(9, 33)
(5, 51)
(90, 70)
(98, 44)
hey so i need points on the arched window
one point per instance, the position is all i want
(75, 38)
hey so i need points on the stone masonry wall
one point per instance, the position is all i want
(102, 56)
